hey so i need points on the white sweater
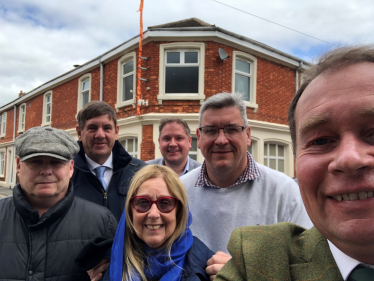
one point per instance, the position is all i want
(216, 212)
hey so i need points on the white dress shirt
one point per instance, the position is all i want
(345, 263)
(92, 165)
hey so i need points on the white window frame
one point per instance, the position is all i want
(82, 79)
(277, 157)
(253, 61)
(44, 122)
(125, 59)
(2, 163)
(254, 148)
(193, 152)
(135, 142)
(22, 111)
(3, 124)
(181, 46)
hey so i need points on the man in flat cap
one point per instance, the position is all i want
(43, 226)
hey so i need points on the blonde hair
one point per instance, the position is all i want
(133, 248)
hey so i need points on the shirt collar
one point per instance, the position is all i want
(186, 168)
(92, 165)
(345, 263)
(251, 172)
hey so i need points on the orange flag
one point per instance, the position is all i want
(138, 85)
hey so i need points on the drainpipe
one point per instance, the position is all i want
(101, 79)
(13, 149)
(297, 75)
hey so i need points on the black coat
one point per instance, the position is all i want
(88, 187)
(194, 264)
(33, 248)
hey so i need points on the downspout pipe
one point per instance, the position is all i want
(13, 148)
(101, 80)
(297, 75)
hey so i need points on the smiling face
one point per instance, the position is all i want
(154, 227)
(224, 155)
(335, 156)
(98, 137)
(44, 179)
(174, 144)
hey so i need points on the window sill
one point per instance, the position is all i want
(161, 97)
(251, 105)
(46, 124)
(125, 103)
(20, 131)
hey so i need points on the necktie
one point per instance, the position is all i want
(100, 175)
(361, 273)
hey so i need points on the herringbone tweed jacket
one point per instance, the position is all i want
(283, 251)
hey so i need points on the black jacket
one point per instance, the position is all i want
(88, 187)
(33, 248)
(194, 264)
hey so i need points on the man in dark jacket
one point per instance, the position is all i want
(43, 226)
(102, 168)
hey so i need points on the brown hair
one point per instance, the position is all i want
(332, 61)
(177, 120)
(94, 109)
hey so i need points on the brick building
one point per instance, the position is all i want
(182, 68)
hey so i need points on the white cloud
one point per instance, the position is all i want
(40, 40)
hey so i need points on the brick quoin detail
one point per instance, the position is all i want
(147, 146)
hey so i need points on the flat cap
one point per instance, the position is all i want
(46, 141)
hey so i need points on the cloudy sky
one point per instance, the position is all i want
(40, 40)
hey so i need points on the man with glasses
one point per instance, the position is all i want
(230, 189)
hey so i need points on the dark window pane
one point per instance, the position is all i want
(190, 57)
(242, 66)
(242, 85)
(127, 87)
(194, 144)
(193, 156)
(173, 57)
(182, 80)
(85, 96)
(128, 67)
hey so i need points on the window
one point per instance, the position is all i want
(47, 109)
(21, 118)
(126, 90)
(274, 156)
(3, 125)
(244, 77)
(193, 149)
(84, 91)
(131, 146)
(2, 163)
(181, 71)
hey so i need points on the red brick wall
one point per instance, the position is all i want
(147, 146)
(9, 125)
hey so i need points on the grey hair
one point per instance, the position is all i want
(223, 100)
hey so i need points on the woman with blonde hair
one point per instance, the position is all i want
(153, 240)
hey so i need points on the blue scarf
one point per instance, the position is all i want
(158, 265)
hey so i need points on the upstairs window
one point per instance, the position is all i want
(47, 109)
(3, 125)
(182, 72)
(22, 118)
(126, 84)
(84, 91)
(244, 77)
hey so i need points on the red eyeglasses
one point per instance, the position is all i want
(143, 204)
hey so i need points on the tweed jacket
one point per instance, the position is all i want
(282, 251)
(193, 163)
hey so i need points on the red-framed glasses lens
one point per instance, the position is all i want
(143, 204)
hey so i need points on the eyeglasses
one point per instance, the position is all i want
(143, 204)
(229, 131)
